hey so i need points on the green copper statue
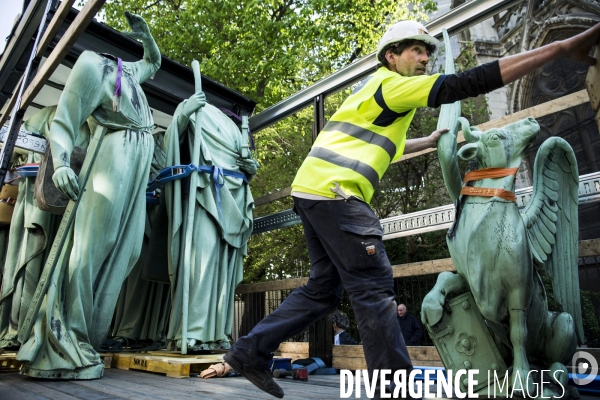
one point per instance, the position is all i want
(499, 251)
(142, 310)
(31, 234)
(222, 224)
(501, 319)
(104, 242)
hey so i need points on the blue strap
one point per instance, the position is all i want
(170, 174)
(26, 171)
(217, 173)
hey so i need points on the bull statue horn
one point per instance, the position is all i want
(471, 135)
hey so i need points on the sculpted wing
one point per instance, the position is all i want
(552, 223)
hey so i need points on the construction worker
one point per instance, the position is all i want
(336, 182)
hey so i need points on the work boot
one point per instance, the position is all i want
(261, 378)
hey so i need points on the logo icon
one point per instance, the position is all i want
(584, 363)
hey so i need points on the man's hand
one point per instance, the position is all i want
(139, 27)
(193, 104)
(65, 180)
(435, 136)
(248, 165)
(578, 47)
(415, 145)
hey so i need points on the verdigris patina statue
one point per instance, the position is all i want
(500, 251)
(501, 320)
(31, 234)
(141, 313)
(222, 224)
(104, 241)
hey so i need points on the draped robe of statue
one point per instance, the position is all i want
(105, 240)
(31, 233)
(140, 325)
(218, 243)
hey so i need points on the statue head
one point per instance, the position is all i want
(498, 147)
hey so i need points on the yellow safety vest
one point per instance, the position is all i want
(365, 135)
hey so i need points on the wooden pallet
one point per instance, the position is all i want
(293, 350)
(174, 365)
(353, 358)
(9, 362)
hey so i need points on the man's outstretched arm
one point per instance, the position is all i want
(576, 48)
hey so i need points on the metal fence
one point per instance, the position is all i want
(252, 307)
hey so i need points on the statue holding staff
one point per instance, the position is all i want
(31, 233)
(221, 224)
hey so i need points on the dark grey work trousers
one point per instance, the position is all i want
(346, 252)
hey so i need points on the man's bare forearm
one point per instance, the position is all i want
(415, 145)
(576, 48)
(428, 142)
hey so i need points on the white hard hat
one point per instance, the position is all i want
(406, 30)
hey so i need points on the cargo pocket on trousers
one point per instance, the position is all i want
(371, 230)
(362, 246)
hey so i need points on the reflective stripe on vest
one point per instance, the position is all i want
(364, 169)
(363, 134)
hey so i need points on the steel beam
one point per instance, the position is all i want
(431, 220)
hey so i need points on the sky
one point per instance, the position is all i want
(9, 9)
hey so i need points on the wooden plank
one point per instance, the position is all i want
(352, 357)
(106, 359)
(229, 388)
(71, 388)
(18, 30)
(173, 367)
(354, 363)
(293, 356)
(152, 386)
(293, 350)
(217, 356)
(7, 391)
(425, 353)
(541, 110)
(293, 347)
(9, 365)
(538, 111)
(75, 30)
(31, 386)
(423, 268)
(54, 26)
(272, 285)
(589, 248)
(116, 390)
(279, 194)
(8, 362)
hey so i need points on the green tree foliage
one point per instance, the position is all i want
(267, 49)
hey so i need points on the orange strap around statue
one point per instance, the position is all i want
(489, 173)
(488, 192)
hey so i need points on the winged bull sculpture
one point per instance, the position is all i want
(500, 252)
